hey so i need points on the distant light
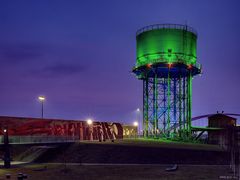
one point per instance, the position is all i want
(138, 109)
(189, 66)
(5, 130)
(41, 98)
(135, 123)
(169, 65)
(89, 122)
(149, 65)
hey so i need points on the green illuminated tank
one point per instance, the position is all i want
(166, 43)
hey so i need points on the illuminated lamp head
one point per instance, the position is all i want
(135, 123)
(170, 65)
(41, 98)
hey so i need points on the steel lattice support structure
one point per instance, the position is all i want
(166, 63)
(166, 102)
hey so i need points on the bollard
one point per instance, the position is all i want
(25, 176)
(20, 176)
(8, 176)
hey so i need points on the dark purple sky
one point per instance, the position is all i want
(79, 54)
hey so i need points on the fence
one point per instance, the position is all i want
(167, 26)
(39, 139)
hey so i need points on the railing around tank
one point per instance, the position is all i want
(138, 64)
(39, 139)
(167, 26)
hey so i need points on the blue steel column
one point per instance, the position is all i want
(155, 103)
(164, 105)
(145, 111)
(154, 106)
(174, 102)
(189, 103)
(184, 103)
(168, 102)
(180, 104)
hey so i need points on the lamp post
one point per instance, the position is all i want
(7, 159)
(90, 130)
(138, 119)
(135, 124)
(41, 99)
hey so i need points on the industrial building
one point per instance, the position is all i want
(223, 126)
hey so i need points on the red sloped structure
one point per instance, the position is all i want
(21, 126)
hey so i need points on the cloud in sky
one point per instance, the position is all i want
(61, 69)
(20, 52)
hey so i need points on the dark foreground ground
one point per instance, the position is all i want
(117, 172)
(125, 159)
(137, 152)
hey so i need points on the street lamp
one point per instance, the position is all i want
(90, 129)
(138, 117)
(6, 157)
(135, 124)
(41, 99)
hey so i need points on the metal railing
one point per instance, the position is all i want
(166, 26)
(39, 139)
(196, 64)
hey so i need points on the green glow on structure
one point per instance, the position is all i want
(167, 46)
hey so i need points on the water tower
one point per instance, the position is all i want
(166, 63)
